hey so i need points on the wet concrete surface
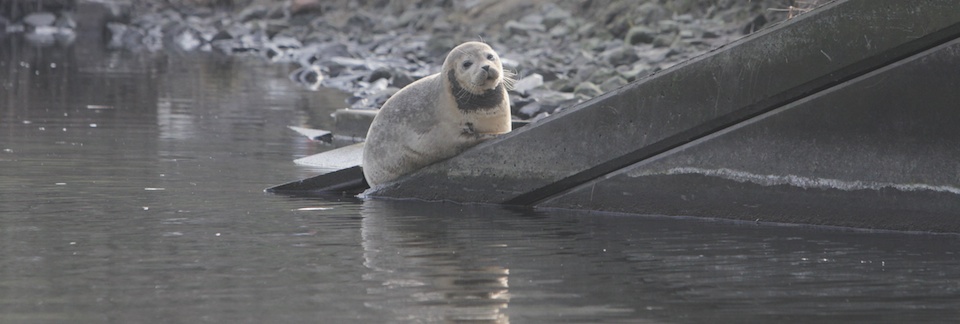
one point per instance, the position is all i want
(880, 151)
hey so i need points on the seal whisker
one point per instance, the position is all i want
(509, 79)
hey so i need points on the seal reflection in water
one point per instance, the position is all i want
(439, 116)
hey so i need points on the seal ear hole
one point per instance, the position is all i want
(467, 64)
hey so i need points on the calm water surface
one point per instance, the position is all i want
(131, 192)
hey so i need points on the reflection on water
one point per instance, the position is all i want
(130, 191)
(451, 263)
(429, 268)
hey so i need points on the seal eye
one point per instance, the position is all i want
(490, 57)
(467, 64)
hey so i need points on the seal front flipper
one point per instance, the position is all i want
(471, 133)
(468, 129)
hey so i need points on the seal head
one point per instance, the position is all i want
(475, 76)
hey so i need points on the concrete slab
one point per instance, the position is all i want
(353, 123)
(340, 173)
(880, 151)
(834, 44)
(313, 134)
(336, 159)
(347, 181)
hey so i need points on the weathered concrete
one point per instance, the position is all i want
(344, 181)
(879, 151)
(341, 158)
(839, 42)
(353, 122)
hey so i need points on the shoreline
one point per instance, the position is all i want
(563, 53)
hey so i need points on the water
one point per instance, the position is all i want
(131, 192)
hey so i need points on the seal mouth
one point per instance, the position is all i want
(488, 84)
(483, 95)
(491, 74)
(487, 80)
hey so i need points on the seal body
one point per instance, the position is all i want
(439, 116)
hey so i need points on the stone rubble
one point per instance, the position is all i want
(562, 52)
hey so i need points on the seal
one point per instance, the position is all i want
(439, 116)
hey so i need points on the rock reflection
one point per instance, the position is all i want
(427, 267)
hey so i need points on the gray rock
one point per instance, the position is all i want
(533, 19)
(663, 40)
(310, 76)
(633, 72)
(620, 55)
(380, 97)
(283, 48)
(38, 19)
(587, 90)
(65, 21)
(256, 11)
(221, 35)
(550, 97)
(117, 32)
(370, 49)
(65, 37)
(613, 83)
(515, 28)
(41, 38)
(530, 110)
(553, 15)
(560, 31)
(237, 30)
(754, 25)
(348, 62)
(397, 78)
(527, 83)
(207, 33)
(401, 79)
(187, 40)
(649, 12)
(668, 26)
(684, 18)
(588, 30)
(562, 85)
(546, 72)
(640, 35)
(657, 55)
(539, 117)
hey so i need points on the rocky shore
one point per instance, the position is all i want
(563, 52)
(40, 23)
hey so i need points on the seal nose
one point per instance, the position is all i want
(486, 68)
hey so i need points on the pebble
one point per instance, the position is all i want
(587, 90)
(566, 51)
(640, 35)
(527, 83)
(613, 83)
(38, 19)
(530, 110)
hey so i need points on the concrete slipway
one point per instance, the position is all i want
(846, 116)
